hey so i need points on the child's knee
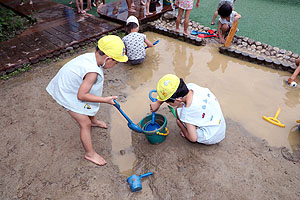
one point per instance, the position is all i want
(224, 28)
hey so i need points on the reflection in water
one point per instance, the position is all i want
(215, 63)
(182, 64)
(70, 16)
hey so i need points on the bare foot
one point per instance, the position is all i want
(70, 2)
(212, 23)
(149, 13)
(186, 32)
(177, 30)
(132, 10)
(87, 9)
(21, 4)
(82, 12)
(99, 123)
(95, 158)
(143, 3)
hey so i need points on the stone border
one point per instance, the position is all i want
(241, 47)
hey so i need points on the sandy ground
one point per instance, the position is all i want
(41, 156)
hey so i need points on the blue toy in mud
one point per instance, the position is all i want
(135, 182)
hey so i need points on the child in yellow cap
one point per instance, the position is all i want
(78, 88)
(199, 115)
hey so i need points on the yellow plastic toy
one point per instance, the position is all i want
(274, 119)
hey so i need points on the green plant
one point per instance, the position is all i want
(71, 52)
(48, 60)
(12, 24)
(56, 59)
(25, 68)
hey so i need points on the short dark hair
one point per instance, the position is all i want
(225, 10)
(99, 51)
(130, 26)
(181, 91)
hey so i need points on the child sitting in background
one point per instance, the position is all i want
(231, 2)
(134, 42)
(296, 72)
(227, 17)
(199, 114)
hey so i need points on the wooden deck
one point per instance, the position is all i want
(59, 27)
(117, 11)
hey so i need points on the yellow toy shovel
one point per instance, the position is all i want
(274, 119)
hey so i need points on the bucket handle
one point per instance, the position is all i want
(150, 96)
(163, 134)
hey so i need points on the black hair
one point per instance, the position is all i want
(225, 10)
(99, 51)
(130, 26)
(181, 91)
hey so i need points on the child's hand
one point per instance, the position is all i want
(222, 40)
(154, 106)
(110, 100)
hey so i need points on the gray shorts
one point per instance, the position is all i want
(136, 62)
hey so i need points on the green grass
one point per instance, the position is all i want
(275, 22)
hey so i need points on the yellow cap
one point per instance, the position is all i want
(113, 47)
(167, 86)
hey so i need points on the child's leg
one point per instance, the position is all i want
(188, 131)
(88, 5)
(97, 123)
(178, 19)
(224, 29)
(148, 7)
(78, 6)
(214, 18)
(142, 2)
(85, 137)
(186, 21)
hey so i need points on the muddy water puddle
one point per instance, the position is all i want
(246, 92)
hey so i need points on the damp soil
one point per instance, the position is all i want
(41, 156)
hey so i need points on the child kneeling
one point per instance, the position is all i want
(199, 115)
(227, 17)
(134, 42)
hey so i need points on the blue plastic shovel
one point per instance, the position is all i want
(157, 41)
(130, 124)
(197, 33)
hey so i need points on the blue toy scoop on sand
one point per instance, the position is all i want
(130, 124)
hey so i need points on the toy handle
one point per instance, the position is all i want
(154, 43)
(150, 96)
(145, 175)
(117, 105)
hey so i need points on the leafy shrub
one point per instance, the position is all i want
(12, 24)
